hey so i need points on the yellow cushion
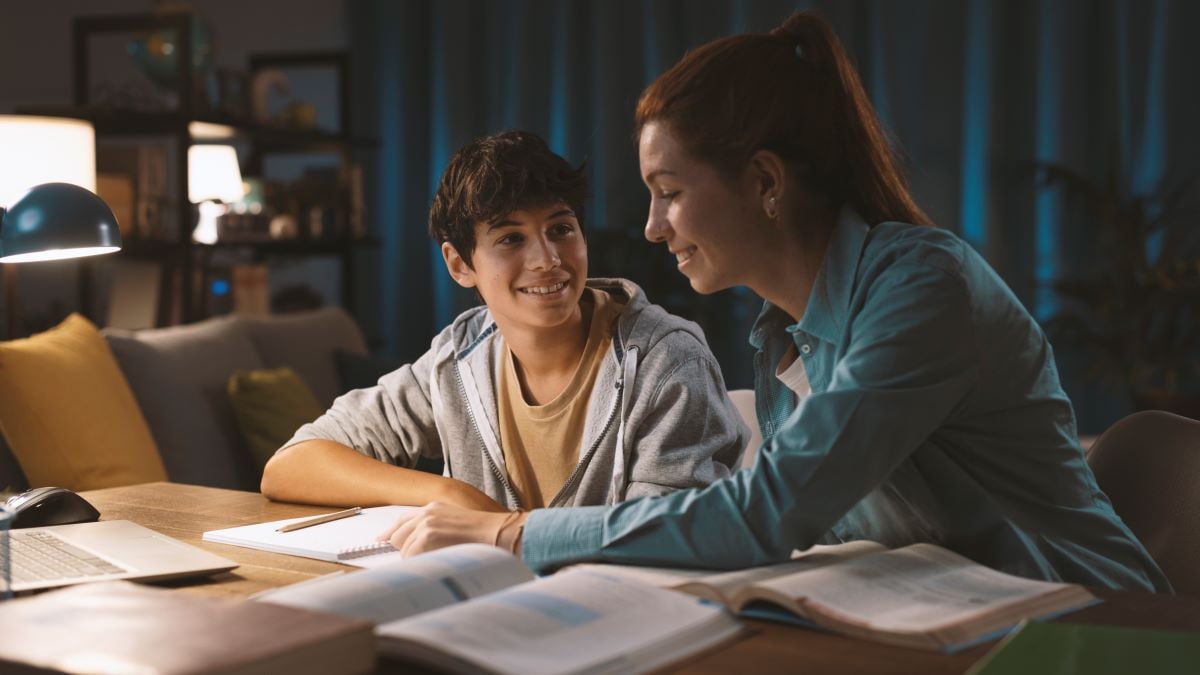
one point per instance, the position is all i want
(270, 405)
(68, 413)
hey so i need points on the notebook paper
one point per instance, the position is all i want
(348, 540)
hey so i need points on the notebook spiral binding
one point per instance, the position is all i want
(366, 550)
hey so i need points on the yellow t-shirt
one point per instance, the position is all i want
(541, 442)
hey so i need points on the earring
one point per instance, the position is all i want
(771, 212)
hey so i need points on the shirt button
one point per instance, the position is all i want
(805, 349)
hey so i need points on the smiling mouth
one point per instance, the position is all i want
(684, 255)
(544, 290)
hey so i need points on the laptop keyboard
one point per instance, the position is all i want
(41, 556)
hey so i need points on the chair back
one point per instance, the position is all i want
(1149, 466)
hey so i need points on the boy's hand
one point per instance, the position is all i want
(468, 496)
(439, 525)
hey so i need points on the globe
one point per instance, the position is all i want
(155, 53)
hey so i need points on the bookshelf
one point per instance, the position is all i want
(186, 266)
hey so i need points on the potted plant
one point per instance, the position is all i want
(1134, 314)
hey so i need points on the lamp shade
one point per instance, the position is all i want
(213, 173)
(36, 150)
(56, 221)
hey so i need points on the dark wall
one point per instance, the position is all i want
(976, 94)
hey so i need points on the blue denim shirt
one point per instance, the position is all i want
(936, 415)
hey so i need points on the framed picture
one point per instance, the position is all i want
(301, 90)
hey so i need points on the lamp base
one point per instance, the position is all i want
(206, 226)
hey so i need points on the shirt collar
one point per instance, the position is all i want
(829, 301)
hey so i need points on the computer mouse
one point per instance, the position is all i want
(50, 506)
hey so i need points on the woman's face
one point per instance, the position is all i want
(707, 221)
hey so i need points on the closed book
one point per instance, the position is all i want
(121, 627)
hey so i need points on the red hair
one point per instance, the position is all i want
(794, 92)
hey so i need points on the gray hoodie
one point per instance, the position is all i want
(658, 417)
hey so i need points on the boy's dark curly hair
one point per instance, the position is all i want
(496, 175)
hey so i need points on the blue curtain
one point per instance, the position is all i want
(975, 92)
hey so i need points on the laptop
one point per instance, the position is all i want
(61, 555)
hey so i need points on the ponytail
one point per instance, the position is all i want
(794, 92)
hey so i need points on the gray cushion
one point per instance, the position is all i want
(179, 376)
(306, 342)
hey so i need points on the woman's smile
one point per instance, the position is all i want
(684, 255)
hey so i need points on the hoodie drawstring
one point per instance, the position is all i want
(620, 480)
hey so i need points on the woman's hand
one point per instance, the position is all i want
(439, 525)
(467, 496)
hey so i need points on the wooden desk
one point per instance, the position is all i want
(186, 511)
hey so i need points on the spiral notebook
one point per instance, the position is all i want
(349, 540)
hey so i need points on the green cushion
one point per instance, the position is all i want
(270, 405)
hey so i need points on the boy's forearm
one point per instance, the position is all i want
(328, 473)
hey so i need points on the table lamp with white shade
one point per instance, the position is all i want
(213, 177)
(47, 183)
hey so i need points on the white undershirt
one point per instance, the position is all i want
(794, 376)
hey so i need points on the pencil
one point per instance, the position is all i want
(299, 525)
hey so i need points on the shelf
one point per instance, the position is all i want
(203, 129)
(145, 248)
(186, 264)
(299, 246)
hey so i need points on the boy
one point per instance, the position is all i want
(559, 391)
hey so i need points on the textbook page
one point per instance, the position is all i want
(575, 621)
(724, 585)
(719, 585)
(403, 588)
(918, 588)
(349, 540)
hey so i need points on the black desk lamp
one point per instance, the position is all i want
(53, 221)
(56, 221)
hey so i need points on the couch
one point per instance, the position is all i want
(179, 377)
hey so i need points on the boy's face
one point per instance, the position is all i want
(530, 266)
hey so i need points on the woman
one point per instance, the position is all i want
(904, 393)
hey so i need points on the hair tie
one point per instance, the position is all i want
(792, 37)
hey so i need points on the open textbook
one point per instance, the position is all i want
(918, 596)
(473, 608)
(349, 540)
